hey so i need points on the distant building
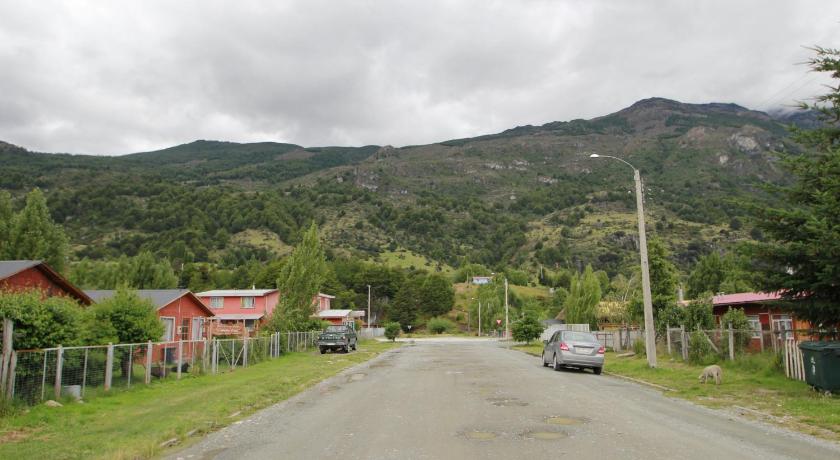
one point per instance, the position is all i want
(248, 307)
(479, 280)
(766, 312)
(23, 275)
(340, 316)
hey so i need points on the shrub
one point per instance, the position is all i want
(440, 325)
(740, 323)
(392, 330)
(700, 351)
(527, 329)
(639, 346)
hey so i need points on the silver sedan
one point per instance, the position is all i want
(573, 349)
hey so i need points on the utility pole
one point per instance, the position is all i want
(507, 325)
(479, 317)
(650, 332)
(368, 317)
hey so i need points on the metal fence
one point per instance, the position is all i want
(619, 339)
(82, 372)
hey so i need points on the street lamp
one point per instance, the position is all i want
(650, 333)
(368, 317)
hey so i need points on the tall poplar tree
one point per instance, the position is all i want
(300, 280)
(34, 235)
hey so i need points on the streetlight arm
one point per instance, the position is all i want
(595, 155)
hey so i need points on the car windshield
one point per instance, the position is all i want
(336, 328)
(579, 337)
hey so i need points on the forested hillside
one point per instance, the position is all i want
(529, 197)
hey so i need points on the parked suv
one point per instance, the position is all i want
(337, 338)
(574, 349)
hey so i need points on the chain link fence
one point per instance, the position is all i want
(84, 372)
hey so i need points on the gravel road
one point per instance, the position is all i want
(463, 400)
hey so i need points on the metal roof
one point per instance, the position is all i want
(159, 297)
(745, 297)
(239, 316)
(236, 293)
(12, 267)
(340, 313)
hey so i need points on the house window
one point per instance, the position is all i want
(755, 325)
(197, 328)
(250, 323)
(217, 302)
(784, 325)
(168, 329)
(247, 302)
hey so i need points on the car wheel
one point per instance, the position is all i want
(596, 370)
(323, 350)
(545, 364)
(556, 364)
(354, 345)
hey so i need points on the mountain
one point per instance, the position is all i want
(527, 196)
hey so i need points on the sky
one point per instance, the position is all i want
(115, 77)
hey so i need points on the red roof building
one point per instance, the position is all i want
(23, 275)
(768, 316)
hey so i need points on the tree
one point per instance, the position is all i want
(34, 235)
(6, 216)
(581, 304)
(802, 234)
(299, 282)
(527, 328)
(406, 305)
(123, 318)
(714, 274)
(437, 297)
(42, 322)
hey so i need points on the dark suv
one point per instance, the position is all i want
(337, 338)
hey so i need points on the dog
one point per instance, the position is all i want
(712, 372)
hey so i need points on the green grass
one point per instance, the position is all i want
(753, 382)
(133, 423)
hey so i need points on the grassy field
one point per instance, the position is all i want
(753, 383)
(134, 423)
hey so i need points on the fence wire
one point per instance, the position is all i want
(83, 372)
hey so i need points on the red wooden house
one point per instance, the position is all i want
(243, 307)
(22, 275)
(766, 313)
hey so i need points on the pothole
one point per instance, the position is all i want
(545, 435)
(564, 421)
(480, 435)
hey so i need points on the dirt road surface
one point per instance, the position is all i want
(465, 400)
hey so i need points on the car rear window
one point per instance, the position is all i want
(579, 337)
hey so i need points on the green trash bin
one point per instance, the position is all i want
(822, 365)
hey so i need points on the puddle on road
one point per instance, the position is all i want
(507, 402)
(564, 421)
(480, 435)
(545, 435)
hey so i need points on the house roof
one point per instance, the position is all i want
(321, 294)
(9, 268)
(159, 297)
(239, 316)
(745, 297)
(236, 293)
(340, 313)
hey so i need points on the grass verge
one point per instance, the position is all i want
(753, 383)
(134, 423)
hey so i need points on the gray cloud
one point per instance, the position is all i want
(119, 77)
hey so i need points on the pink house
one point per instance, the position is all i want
(246, 307)
(322, 302)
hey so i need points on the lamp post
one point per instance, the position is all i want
(650, 333)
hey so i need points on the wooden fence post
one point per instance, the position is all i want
(668, 337)
(215, 356)
(59, 364)
(204, 354)
(684, 340)
(8, 329)
(10, 377)
(245, 351)
(109, 366)
(731, 343)
(149, 351)
(180, 357)
(761, 338)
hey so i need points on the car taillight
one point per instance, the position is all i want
(601, 351)
(563, 346)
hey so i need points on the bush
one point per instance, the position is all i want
(700, 351)
(440, 325)
(639, 346)
(527, 329)
(392, 330)
(740, 323)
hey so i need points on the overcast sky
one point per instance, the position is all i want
(114, 77)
